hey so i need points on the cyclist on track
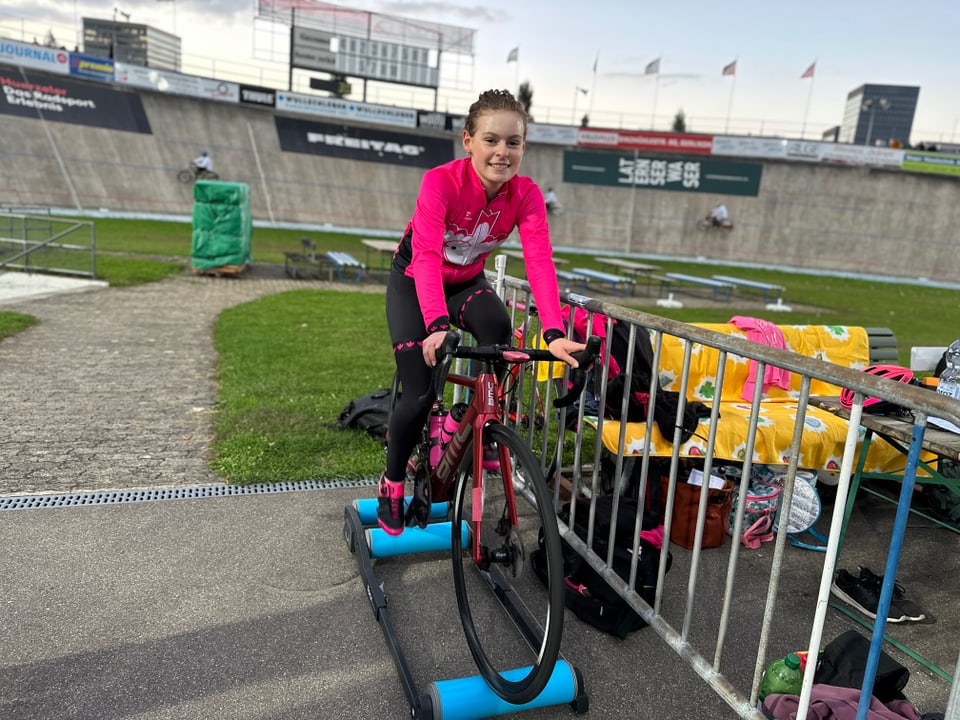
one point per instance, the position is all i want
(719, 216)
(203, 164)
(464, 211)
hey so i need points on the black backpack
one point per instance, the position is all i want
(369, 413)
(587, 594)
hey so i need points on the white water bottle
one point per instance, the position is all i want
(950, 377)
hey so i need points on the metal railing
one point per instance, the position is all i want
(43, 243)
(735, 613)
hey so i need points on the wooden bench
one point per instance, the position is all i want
(308, 256)
(518, 254)
(619, 284)
(384, 248)
(573, 280)
(883, 346)
(721, 290)
(341, 261)
(630, 267)
(763, 287)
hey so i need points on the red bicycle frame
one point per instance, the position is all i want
(483, 409)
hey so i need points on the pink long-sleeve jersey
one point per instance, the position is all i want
(454, 229)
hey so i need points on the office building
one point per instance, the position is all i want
(879, 115)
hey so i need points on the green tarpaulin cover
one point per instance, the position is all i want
(222, 226)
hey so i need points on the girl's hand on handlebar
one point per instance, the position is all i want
(431, 344)
(561, 349)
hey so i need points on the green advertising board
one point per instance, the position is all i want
(655, 172)
(931, 163)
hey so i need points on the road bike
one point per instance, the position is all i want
(500, 532)
(707, 223)
(190, 174)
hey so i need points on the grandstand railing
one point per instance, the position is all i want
(42, 243)
(742, 612)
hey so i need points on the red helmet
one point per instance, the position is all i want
(878, 405)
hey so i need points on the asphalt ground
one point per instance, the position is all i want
(251, 606)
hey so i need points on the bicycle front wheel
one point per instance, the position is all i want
(185, 176)
(506, 513)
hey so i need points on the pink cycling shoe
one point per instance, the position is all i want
(390, 506)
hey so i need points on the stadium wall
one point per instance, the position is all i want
(809, 216)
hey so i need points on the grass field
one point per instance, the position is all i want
(283, 383)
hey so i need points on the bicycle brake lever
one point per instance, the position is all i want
(442, 368)
(578, 376)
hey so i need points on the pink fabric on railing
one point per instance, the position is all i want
(765, 333)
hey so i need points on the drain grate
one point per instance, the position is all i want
(113, 497)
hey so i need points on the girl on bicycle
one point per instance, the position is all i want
(465, 210)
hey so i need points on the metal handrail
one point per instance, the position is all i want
(18, 230)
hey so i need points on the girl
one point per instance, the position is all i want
(465, 210)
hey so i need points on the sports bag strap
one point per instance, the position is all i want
(758, 533)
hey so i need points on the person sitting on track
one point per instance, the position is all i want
(464, 211)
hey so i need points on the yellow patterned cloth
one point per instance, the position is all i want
(824, 433)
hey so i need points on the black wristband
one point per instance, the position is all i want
(550, 335)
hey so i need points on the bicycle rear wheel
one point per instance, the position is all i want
(505, 547)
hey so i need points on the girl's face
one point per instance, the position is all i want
(496, 148)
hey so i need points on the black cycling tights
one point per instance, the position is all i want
(473, 306)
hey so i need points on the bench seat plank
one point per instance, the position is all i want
(619, 284)
(721, 290)
(764, 287)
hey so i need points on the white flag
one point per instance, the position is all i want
(512, 55)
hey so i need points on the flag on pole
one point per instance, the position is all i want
(512, 55)
(595, 60)
(730, 69)
(808, 73)
(653, 67)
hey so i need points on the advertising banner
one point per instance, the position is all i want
(660, 173)
(630, 140)
(175, 83)
(840, 153)
(440, 121)
(37, 57)
(552, 134)
(94, 68)
(346, 109)
(253, 95)
(733, 146)
(63, 100)
(355, 143)
(931, 163)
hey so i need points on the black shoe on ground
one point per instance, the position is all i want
(910, 610)
(864, 594)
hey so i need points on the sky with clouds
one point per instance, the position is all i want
(852, 42)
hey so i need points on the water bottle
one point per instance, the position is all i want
(451, 422)
(782, 676)
(950, 377)
(437, 416)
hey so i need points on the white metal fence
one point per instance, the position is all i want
(700, 606)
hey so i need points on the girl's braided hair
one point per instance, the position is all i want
(494, 100)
